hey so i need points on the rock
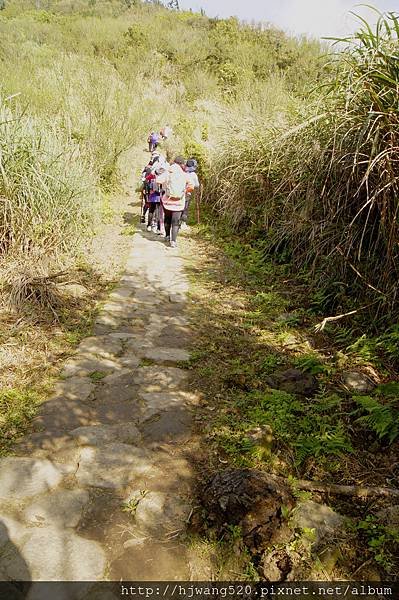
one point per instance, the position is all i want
(121, 335)
(138, 345)
(73, 290)
(104, 345)
(156, 512)
(97, 435)
(160, 355)
(179, 320)
(262, 438)
(169, 427)
(130, 281)
(121, 292)
(156, 379)
(129, 361)
(290, 341)
(107, 320)
(118, 377)
(62, 508)
(146, 296)
(22, 478)
(276, 565)
(74, 388)
(293, 381)
(124, 390)
(84, 365)
(156, 402)
(320, 517)
(251, 499)
(177, 298)
(61, 555)
(389, 516)
(112, 466)
(357, 382)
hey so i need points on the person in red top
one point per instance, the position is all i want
(174, 199)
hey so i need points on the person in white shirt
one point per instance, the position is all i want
(166, 132)
(191, 166)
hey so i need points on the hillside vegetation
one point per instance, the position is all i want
(81, 83)
(297, 144)
(317, 186)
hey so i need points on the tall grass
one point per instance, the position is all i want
(319, 182)
(91, 79)
(48, 192)
(48, 202)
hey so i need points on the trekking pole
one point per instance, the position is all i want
(198, 198)
(142, 208)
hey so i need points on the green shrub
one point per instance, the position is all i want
(382, 419)
(48, 190)
(316, 179)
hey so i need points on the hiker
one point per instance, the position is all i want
(145, 190)
(191, 168)
(153, 140)
(162, 173)
(152, 201)
(174, 199)
(166, 132)
(153, 211)
(157, 161)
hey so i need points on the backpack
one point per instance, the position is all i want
(177, 182)
(154, 138)
(192, 164)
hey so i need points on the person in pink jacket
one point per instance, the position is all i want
(174, 200)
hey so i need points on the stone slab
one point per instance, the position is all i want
(117, 377)
(99, 435)
(156, 402)
(63, 508)
(156, 378)
(129, 361)
(84, 365)
(121, 335)
(157, 512)
(112, 466)
(11, 531)
(162, 355)
(177, 298)
(61, 555)
(101, 345)
(107, 320)
(22, 478)
(74, 388)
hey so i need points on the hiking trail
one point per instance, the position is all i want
(101, 488)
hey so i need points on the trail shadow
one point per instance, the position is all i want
(154, 397)
(129, 218)
(15, 576)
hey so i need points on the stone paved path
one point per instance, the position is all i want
(101, 487)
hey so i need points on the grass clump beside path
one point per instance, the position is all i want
(316, 179)
(274, 392)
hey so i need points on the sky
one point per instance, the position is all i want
(318, 18)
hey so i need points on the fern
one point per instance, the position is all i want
(389, 342)
(380, 418)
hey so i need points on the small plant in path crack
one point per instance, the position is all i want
(131, 505)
